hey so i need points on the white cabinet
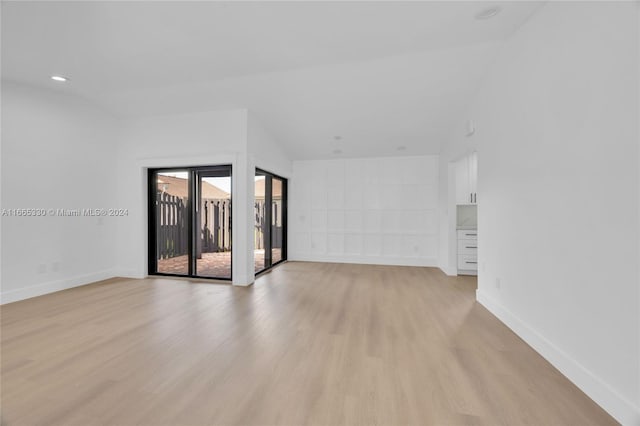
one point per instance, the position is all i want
(467, 179)
(463, 193)
(473, 176)
(468, 252)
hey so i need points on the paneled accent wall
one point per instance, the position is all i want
(373, 210)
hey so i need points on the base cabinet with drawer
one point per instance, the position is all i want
(467, 252)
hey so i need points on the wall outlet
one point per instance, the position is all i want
(41, 269)
(498, 283)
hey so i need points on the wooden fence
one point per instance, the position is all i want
(172, 237)
(260, 224)
(172, 233)
(258, 233)
(215, 226)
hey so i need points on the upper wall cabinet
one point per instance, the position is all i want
(467, 179)
(473, 175)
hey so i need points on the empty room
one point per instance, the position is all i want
(320, 213)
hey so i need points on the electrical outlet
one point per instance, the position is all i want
(498, 283)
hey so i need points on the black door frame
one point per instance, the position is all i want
(193, 191)
(268, 199)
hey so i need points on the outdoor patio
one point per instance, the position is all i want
(216, 265)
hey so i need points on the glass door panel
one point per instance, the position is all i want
(171, 205)
(277, 209)
(270, 227)
(213, 224)
(260, 231)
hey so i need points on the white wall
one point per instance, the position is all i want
(206, 138)
(558, 203)
(264, 150)
(60, 152)
(374, 210)
(216, 137)
(57, 152)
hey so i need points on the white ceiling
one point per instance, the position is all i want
(379, 74)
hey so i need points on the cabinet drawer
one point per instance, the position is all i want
(467, 262)
(468, 247)
(467, 234)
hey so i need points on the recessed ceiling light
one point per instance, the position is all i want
(337, 138)
(401, 148)
(59, 78)
(488, 13)
(337, 151)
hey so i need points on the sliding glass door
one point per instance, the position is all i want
(190, 222)
(271, 220)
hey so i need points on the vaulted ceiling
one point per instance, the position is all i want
(380, 75)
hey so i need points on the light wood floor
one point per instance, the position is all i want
(309, 343)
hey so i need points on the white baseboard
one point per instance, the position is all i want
(452, 272)
(367, 260)
(53, 286)
(129, 273)
(243, 280)
(604, 395)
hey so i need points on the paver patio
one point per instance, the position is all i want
(216, 265)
